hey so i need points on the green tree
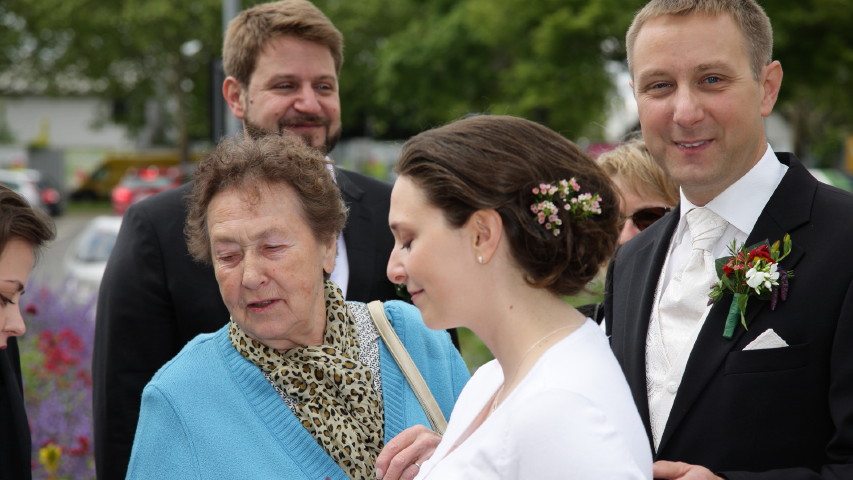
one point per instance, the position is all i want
(542, 60)
(814, 43)
(410, 64)
(146, 57)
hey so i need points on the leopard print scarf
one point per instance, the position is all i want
(334, 391)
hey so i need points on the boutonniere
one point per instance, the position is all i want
(751, 272)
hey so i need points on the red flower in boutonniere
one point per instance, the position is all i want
(751, 272)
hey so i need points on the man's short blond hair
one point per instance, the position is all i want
(748, 15)
(250, 31)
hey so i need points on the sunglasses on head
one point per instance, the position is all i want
(644, 217)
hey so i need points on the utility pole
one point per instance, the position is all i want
(230, 8)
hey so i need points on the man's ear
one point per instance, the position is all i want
(771, 82)
(486, 227)
(232, 91)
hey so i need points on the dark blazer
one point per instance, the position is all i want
(15, 443)
(154, 298)
(785, 412)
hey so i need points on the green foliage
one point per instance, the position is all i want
(474, 351)
(126, 51)
(413, 64)
(540, 60)
(814, 43)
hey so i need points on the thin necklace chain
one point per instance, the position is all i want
(521, 361)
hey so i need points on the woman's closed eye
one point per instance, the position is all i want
(6, 300)
(227, 258)
(273, 248)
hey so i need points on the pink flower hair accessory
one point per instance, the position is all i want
(566, 195)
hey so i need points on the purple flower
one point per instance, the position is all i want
(56, 358)
(774, 297)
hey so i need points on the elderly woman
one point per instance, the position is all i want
(298, 384)
(23, 231)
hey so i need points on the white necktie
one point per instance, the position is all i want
(685, 300)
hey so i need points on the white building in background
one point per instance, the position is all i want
(62, 122)
(71, 128)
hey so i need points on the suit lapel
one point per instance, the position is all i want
(358, 238)
(788, 209)
(645, 265)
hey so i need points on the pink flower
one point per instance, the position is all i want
(575, 185)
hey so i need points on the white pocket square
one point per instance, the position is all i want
(768, 339)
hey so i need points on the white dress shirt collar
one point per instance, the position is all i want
(742, 203)
(340, 275)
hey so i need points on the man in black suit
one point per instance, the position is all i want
(282, 60)
(774, 401)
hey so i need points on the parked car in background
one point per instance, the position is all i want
(101, 181)
(39, 191)
(25, 182)
(137, 185)
(52, 197)
(87, 256)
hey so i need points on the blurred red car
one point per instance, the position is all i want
(137, 185)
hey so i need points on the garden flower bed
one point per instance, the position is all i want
(56, 360)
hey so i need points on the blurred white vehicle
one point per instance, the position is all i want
(87, 257)
(25, 182)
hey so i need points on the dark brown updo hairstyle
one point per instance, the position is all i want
(494, 162)
(245, 164)
(19, 220)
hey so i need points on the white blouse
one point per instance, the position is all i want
(572, 416)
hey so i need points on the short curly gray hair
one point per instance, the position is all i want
(243, 163)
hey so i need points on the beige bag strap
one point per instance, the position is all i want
(410, 370)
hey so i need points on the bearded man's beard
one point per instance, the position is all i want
(256, 131)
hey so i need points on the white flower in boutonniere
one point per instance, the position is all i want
(759, 279)
(751, 271)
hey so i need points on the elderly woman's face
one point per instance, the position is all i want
(269, 265)
(16, 262)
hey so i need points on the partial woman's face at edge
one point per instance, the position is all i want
(632, 201)
(16, 263)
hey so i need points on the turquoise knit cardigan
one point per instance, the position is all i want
(211, 414)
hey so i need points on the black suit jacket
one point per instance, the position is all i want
(154, 298)
(783, 413)
(15, 443)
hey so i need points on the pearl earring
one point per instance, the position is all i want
(480, 259)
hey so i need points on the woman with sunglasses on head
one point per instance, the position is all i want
(23, 231)
(647, 194)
